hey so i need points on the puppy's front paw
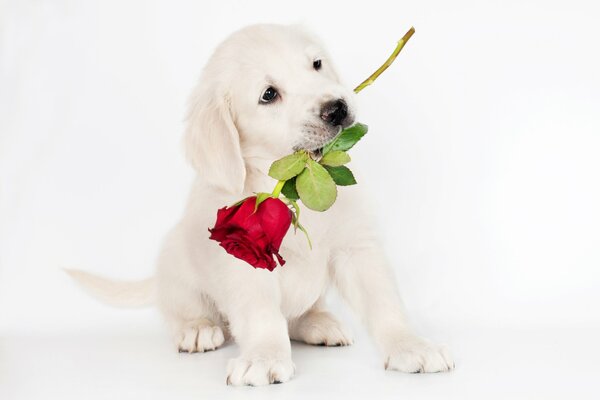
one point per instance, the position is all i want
(259, 371)
(412, 354)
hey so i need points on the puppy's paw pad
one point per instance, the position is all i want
(321, 329)
(200, 338)
(415, 355)
(259, 372)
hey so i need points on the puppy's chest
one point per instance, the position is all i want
(305, 276)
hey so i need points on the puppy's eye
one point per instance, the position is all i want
(317, 65)
(269, 95)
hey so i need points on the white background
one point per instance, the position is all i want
(482, 160)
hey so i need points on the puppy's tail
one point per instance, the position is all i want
(116, 293)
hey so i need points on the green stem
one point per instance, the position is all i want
(387, 63)
(277, 189)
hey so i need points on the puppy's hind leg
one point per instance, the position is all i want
(319, 327)
(195, 323)
(197, 335)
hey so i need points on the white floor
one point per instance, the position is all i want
(139, 363)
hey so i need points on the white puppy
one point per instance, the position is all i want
(267, 90)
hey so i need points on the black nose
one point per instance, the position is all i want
(334, 112)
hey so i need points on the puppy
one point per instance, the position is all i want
(266, 91)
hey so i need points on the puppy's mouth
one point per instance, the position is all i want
(314, 138)
(317, 153)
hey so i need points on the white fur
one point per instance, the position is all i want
(116, 293)
(205, 293)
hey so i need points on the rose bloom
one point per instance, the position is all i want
(253, 236)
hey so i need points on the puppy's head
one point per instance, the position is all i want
(266, 91)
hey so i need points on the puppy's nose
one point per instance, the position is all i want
(334, 112)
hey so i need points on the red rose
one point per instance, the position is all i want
(253, 236)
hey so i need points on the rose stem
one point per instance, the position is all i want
(277, 189)
(387, 63)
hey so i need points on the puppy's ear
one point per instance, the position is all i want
(212, 142)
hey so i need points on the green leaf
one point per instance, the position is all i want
(341, 175)
(260, 197)
(335, 158)
(347, 138)
(316, 187)
(288, 167)
(289, 189)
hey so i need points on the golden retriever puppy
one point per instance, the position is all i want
(266, 91)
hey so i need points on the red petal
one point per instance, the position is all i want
(251, 236)
(275, 218)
